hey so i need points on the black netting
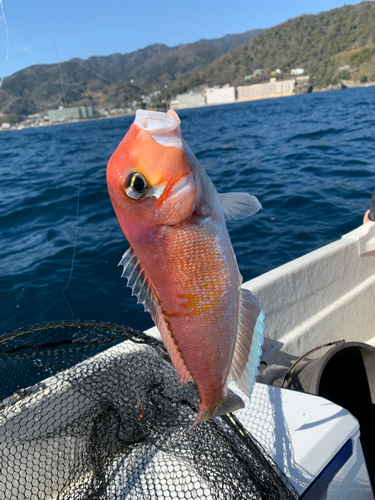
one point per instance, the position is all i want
(116, 424)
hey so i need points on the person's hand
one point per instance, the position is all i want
(365, 218)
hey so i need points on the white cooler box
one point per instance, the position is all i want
(313, 441)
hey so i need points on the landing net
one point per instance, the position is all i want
(95, 411)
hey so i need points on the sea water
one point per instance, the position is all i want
(310, 160)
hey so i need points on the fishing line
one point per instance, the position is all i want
(78, 188)
(3, 19)
(61, 79)
(76, 172)
(163, 79)
(161, 65)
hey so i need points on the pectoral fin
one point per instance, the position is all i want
(238, 205)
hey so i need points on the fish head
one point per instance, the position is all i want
(153, 178)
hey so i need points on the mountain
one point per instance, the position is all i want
(229, 42)
(321, 44)
(114, 80)
(148, 64)
(39, 87)
(333, 47)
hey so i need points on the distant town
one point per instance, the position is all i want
(298, 56)
(201, 96)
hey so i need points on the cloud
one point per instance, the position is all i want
(24, 48)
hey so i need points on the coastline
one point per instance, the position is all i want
(43, 125)
(269, 96)
(344, 85)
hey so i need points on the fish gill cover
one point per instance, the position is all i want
(117, 425)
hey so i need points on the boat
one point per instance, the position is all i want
(320, 323)
(311, 410)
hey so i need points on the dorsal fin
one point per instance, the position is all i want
(143, 290)
(249, 342)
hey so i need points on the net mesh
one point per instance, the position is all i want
(96, 411)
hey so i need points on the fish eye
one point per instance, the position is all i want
(135, 185)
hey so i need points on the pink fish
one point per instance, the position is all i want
(181, 264)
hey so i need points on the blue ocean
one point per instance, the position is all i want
(310, 159)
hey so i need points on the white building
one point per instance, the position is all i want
(221, 96)
(74, 113)
(297, 71)
(189, 100)
(274, 89)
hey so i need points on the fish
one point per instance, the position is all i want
(181, 264)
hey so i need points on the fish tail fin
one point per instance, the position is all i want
(249, 342)
(231, 403)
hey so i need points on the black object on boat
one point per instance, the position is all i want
(79, 423)
(343, 373)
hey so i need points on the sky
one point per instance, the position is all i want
(48, 31)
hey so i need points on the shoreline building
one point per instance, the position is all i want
(206, 97)
(224, 95)
(189, 100)
(272, 89)
(74, 113)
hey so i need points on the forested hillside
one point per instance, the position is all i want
(320, 44)
(331, 47)
(112, 81)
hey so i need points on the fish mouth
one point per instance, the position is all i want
(155, 122)
(164, 128)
